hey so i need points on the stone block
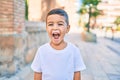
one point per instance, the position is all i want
(6, 55)
(30, 55)
(7, 69)
(88, 36)
(3, 68)
(19, 42)
(11, 68)
(6, 42)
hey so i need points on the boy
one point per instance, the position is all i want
(57, 60)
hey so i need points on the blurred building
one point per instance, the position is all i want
(111, 10)
(39, 8)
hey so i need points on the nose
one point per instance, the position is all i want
(55, 26)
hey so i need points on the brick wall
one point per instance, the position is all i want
(11, 16)
(6, 16)
(19, 15)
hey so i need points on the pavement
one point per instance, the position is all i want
(25, 74)
(102, 59)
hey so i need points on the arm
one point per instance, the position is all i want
(77, 75)
(37, 76)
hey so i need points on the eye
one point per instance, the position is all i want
(60, 24)
(50, 24)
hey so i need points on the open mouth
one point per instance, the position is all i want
(56, 35)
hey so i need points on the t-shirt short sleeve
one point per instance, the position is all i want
(36, 64)
(78, 61)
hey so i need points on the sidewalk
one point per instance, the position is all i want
(25, 74)
(102, 59)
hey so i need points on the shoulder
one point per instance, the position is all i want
(43, 47)
(73, 46)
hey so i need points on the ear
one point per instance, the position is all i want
(68, 28)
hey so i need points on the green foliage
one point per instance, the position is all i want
(90, 3)
(26, 9)
(82, 10)
(117, 21)
(91, 9)
(118, 28)
(96, 12)
(93, 2)
(86, 25)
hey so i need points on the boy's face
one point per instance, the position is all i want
(56, 28)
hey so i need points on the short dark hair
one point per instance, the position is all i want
(59, 12)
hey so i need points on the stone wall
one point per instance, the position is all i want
(21, 49)
(18, 50)
(19, 40)
(36, 36)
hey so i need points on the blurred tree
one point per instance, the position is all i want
(94, 14)
(117, 21)
(88, 6)
(83, 10)
(26, 9)
(93, 2)
(82, 19)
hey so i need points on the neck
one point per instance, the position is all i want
(59, 46)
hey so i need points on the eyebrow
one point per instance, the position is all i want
(61, 21)
(57, 22)
(50, 22)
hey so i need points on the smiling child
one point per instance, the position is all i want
(57, 59)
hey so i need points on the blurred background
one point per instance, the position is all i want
(95, 29)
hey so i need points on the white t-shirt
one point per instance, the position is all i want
(58, 64)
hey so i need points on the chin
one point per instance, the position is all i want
(56, 43)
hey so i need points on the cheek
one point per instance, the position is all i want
(64, 30)
(47, 29)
